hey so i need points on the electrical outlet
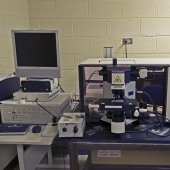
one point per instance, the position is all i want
(127, 40)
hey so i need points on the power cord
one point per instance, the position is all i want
(126, 50)
(55, 119)
(151, 100)
(59, 85)
(90, 77)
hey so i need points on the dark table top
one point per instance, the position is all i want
(100, 132)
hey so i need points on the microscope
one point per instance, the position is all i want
(119, 97)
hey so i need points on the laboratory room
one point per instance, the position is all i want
(84, 84)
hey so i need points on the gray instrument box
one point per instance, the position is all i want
(32, 113)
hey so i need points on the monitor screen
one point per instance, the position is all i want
(36, 53)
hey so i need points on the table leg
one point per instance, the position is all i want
(73, 156)
(49, 155)
(20, 151)
(31, 157)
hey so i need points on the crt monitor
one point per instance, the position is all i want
(36, 53)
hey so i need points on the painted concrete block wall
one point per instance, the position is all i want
(13, 15)
(86, 26)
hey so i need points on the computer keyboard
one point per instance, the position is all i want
(13, 129)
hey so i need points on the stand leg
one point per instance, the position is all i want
(73, 156)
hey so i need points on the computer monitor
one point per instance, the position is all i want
(36, 53)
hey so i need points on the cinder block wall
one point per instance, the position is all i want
(86, 26)
(13, 15)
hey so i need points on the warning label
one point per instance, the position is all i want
(117, 79)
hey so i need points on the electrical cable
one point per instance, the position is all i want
(75, 97)
(74, 107)
(153, 128)
(55, 118)
(126, 49)
(156, 127)
(151, 100)
(90, 77)
(61, 89)
(59, 85)
(91, 124)
(163, 117)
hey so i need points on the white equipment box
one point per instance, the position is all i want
(72, 125)
(34, 113)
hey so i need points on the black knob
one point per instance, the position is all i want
(75, 129)
(64, 129)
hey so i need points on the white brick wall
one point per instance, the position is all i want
(71, 9)
(140, 8)
(13, 15)
(123, 27)
(89, 27)
(105, 9)
(41, 9)
(86, 26)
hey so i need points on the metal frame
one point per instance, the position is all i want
(74, 146)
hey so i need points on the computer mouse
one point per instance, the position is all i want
(36, 129)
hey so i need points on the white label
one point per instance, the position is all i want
(109, 153)
(113, 107)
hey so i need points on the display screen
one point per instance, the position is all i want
(36, 49)
(36, 53)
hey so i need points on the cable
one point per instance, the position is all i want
(90, 77)
(159, 128)
(75, 96)
(55, 118)
(149, 97)
(126, 49)
(155, 131)
(163, 117)
(61, 89)
(59, 85)
(91, 124)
